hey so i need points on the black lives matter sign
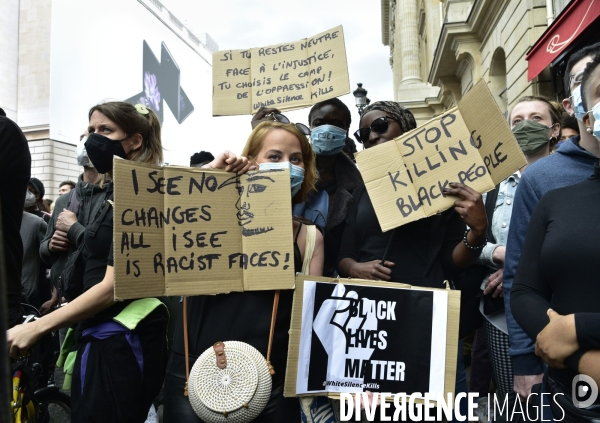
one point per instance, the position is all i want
(356, 338)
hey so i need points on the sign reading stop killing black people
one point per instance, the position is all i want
(193, 231)
(471, 144)
(286, 76)
(356, 336)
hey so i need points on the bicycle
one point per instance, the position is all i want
(28, 405)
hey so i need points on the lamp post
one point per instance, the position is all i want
(360, 94)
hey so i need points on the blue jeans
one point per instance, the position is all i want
(461, 381)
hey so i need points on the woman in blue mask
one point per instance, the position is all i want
(555, 293)
(246, 316)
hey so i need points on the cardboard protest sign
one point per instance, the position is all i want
(471, 144)
(352, 335)
(286, 76)
(192, 231)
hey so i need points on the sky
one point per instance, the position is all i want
(240, 24)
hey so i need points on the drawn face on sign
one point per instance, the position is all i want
(254, 190)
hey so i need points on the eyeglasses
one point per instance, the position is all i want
(278, 117)
(379, 126)
(575, 80)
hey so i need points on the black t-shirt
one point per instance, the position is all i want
(421, 250)
(240, 316)
(99, 254)
(559, 268)
(15, 171)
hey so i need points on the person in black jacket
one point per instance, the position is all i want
(555, 293)
(15, 169)
(424, 252)
(84, 202)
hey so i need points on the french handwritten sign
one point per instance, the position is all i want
(471, 144)
(190, 231)
(286, 76)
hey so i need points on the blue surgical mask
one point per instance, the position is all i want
(577, 103)
(596, 112)
(327, 140)
(296, 173)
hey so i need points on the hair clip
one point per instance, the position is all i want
(142, 109)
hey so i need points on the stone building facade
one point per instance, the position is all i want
(440, 48)
(25, 44)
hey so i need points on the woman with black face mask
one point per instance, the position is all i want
(118, 370)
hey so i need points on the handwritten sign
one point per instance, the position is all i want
(471, 144)
(286, 76)
(352, 336)
(190, 231)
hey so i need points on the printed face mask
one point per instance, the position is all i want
(296, 174)
(29, 199)
(531, 136)
(101, 150)
(596, 112)
(577, 103)
(328, 140)
(81, 153)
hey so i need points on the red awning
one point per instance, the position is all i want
(576, 17)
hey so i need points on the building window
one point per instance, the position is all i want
(498, 80)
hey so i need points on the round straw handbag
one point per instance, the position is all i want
(229, 382)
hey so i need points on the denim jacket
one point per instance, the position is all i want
(500, 224)
(501, 220)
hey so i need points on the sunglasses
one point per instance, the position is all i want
(379, 126)
(278, 117)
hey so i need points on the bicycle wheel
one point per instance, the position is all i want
(55, 407)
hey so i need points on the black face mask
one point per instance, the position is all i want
(101, 150)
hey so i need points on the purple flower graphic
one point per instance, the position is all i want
(152, 98)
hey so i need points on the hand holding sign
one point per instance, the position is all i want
(372, 270)
(407, 178)
(230, 162)
(186, 231)
(469, 206)
(261, 114)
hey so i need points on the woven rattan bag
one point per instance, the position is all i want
(231, 381)
(236, 392)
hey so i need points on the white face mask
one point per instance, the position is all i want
(29, 199)
(82, 156)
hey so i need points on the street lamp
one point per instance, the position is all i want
(360, 94)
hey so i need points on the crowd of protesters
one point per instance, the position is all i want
(528, 247)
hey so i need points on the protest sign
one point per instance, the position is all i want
(192, 231)
(471, 144)
(353, 335)
(286, 76)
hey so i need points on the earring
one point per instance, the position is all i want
(589, 130)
